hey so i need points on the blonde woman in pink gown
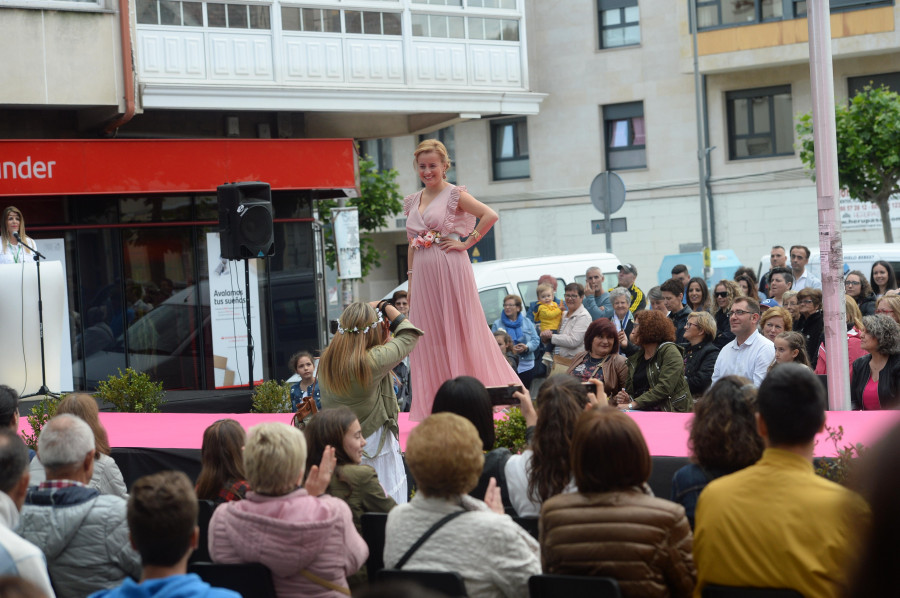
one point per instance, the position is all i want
(443, 299)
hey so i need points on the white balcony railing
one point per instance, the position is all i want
(188, 50)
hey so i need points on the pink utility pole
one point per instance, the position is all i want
(828, 193)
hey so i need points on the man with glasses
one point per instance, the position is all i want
(802, 278)
(750, 354)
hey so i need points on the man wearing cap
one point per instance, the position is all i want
(627, 274)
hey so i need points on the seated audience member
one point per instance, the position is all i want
(596, 299)
(352, 482)
(883, 278)
(723, 439)
(17, 556)
(857, 286)
(812, 321)
(681, 274)
(162, 520)
(534, 305)
(746, 284)
(774, 321)
(803, 278)
(9, 412)
(757, 291)
(724, 294)
(542, 470)
(701, 353)
(17, 587)
(854, 348)
(655, 297)
(613, 527)
(106, 477)
(876, 574)
(83, 533)
(776, 524)
(523, 334)
(467, 397)
(307, 541)
(655, 373)
(401, 302)
(601, 359)
(790, 347)
(494, 555)
(889, 306)
(880, 337)
(575, 320)
(673, 294)
(222, 476)
(750, 354)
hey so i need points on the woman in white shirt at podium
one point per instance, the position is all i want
(11, 250)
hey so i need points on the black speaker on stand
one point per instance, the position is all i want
(246, 232)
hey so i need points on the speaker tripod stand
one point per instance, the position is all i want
(43, 390)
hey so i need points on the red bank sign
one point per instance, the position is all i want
(76, 167)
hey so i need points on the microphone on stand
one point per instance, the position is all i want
(16, 235)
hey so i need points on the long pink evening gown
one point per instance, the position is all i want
(444, 304)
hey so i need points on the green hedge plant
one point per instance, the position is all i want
(132, 392)
(272, 396)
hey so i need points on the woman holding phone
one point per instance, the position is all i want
(600, 358)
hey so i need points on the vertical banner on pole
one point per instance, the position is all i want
(346, 240)
(228, 318)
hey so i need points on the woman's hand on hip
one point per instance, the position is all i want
(446, 244)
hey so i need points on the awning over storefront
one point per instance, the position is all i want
(78, 166)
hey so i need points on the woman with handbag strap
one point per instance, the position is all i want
(442, 528)
(656, 379)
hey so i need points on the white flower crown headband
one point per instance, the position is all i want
(356, 330)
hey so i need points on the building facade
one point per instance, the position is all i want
(620, 85)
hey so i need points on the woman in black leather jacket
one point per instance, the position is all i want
(700, 356)
(880, 336)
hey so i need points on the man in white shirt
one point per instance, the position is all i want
(18, 556)
(750, 354)
(802, 278)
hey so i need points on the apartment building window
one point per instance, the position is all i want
(619, 23)
(169, 12)
(724, 13)
(371, 22)
(623, 126)
(238, 16)
(448, 138)
(889, 80)
(439, 2)
(509, 149)
(438, 26)
(320, 20)
(510, 4)
(494, 29)
(379, 151)
(760, 123)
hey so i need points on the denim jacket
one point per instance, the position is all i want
(687, 484)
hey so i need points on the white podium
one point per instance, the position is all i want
(20, 356)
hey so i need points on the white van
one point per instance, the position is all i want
(857, 257)
(498, 278)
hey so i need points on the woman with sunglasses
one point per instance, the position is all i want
(724, 294)
(812, 321)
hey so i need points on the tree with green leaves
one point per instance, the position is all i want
(868, 148)
(379, 200)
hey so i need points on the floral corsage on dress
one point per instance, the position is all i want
(426, 240)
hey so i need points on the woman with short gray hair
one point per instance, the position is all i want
(620, 298)
(875, 381)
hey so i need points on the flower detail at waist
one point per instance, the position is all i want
(426, 240)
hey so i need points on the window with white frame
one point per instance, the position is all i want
(619, 23)
(169, 12)
(371, 22)
(623, 128)
(494, 29)
(760, 123)
(438, 26)
(321, 20)
(448, 138)
(238, 16)
(509, 149)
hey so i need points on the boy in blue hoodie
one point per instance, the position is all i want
(162, 521)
